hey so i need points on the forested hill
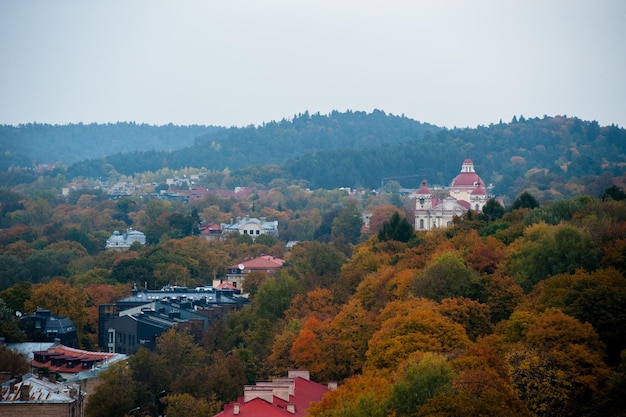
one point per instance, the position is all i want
(550, 154)
(272, 143)
(557, 156)
(50, 144)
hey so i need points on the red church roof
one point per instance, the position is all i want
(468, 177)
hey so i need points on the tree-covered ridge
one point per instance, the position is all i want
(271, 143)
(555, 157)
(39, 143)
(552, 154)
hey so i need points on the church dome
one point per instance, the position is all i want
(467, 177)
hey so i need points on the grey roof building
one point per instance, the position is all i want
(42, 326)
(121, 242)
(137, 321)
(29, 395)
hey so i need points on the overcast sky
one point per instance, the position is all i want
(230, 62)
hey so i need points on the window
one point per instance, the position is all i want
(421, 223)
(257, 232)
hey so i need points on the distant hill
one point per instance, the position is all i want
(557, 156)
(66, 144)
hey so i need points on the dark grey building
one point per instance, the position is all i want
(138, 320)
(42, 326)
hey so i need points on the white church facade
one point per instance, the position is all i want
(467, 191)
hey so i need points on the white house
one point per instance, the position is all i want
(252, 227)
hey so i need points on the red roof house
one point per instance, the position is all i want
(67, 360)
(280, 397)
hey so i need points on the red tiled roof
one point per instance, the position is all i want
(305, 392)
(261, 263)
(466, 179)
(226, 285)
(66, 354)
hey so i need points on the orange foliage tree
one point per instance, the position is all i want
(412, 327)
(61, 299)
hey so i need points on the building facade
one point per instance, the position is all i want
(122, 242)
(137, 321)
(42, 326)
(31, 396)
(467, 191)
(252, 227)
(289, 396)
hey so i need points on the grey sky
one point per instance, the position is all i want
(230, 62)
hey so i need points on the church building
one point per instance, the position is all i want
(466, 192)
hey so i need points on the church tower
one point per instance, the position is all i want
(469, 187)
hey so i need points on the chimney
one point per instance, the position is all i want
(24, 392)
(291, 408)
(236, 409)
(332, 385)
(57, 342)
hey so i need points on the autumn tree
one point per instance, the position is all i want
(115, 394)
(380, 215)
(537, 379)
(447, 277)
(61, 299)
(549, 250)
(576, 350)
(501, 293)
(362, 395)
(591, 297)
(410, 327)
(347, 225)
(472, 315)
(12, 362)
(420, 381)
(185, 405)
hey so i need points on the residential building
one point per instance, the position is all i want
(237, 273)
(137, 321)
(31, 396)
(467, 191)
(210, 231)
(42, 326)
(290, 396)
(73, 365)
(251, 226)
(122, 242)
